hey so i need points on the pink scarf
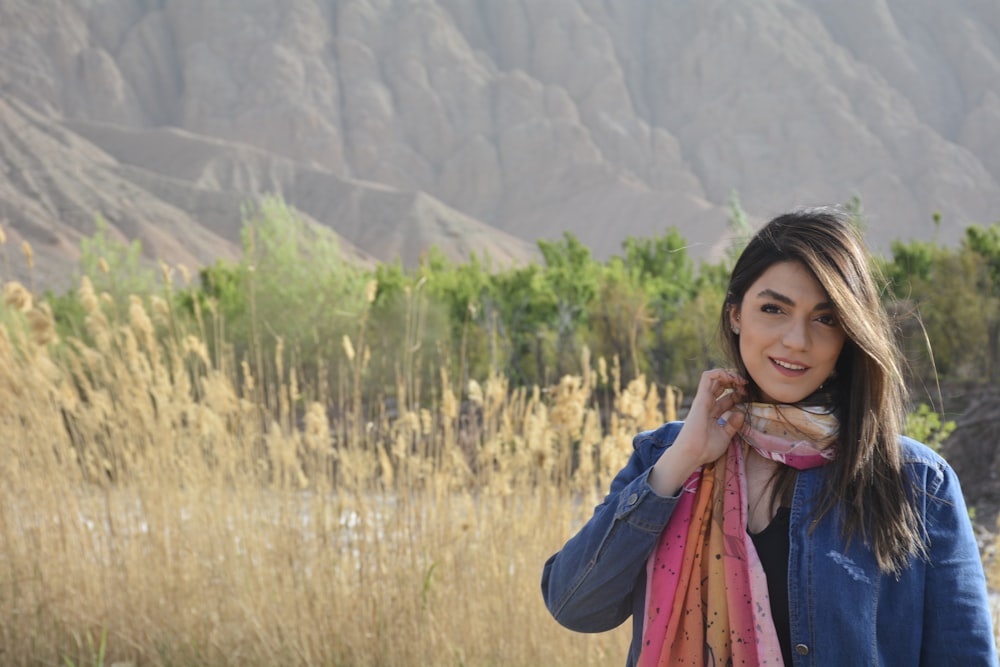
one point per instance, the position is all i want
(706, 593)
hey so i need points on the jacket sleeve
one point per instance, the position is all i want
(957, 619)
(589, 584)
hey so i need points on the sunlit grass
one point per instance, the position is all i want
(159, 508)
(156, 510)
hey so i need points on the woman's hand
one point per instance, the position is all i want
(710, 425)
(711, 422)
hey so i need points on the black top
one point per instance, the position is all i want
(772, 547)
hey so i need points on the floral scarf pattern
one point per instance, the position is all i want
(706, 592)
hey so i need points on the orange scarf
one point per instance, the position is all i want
(706, 593)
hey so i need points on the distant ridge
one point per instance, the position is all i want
(484, 126)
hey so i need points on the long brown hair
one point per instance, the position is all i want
(866, 480)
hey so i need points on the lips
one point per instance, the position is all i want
(789, 367)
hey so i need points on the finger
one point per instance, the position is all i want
(721, 375)
(729, 398)
(736, 420)
(718, 385)
(726, 403)
(728, 380)
(731, 422)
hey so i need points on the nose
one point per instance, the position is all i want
(797, 334)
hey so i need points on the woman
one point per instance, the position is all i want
(786, 520)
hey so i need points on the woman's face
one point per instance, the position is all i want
(789, 335)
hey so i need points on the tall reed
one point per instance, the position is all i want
(157, 508)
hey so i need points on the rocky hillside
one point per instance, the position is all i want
(484, 125)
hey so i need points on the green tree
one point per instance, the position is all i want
(620, 318)
(522, 308)
(739, 227)
(571, 278)
(909, 276)
(662, 270)
(942, 297)
(985, 243)
(693, 333)
(290, 288)
(913, 263)
(114, 267)
(462, 289)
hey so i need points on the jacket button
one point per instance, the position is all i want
(802, 649)
(632, 498)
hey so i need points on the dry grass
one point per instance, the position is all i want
(155, 510)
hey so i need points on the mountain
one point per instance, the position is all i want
(483, 125)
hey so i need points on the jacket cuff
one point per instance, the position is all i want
(642, 508)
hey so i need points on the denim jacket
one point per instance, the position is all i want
(843, 610)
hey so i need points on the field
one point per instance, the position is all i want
(161, 508)
(157, 510)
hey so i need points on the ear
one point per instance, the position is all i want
(734, 318)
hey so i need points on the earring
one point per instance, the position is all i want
(829, 379)
(736, 330)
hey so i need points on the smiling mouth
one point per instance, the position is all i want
(788, 365)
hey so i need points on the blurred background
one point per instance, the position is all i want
(325, 322)
(477, 125)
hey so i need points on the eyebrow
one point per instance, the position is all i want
(769, 293)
